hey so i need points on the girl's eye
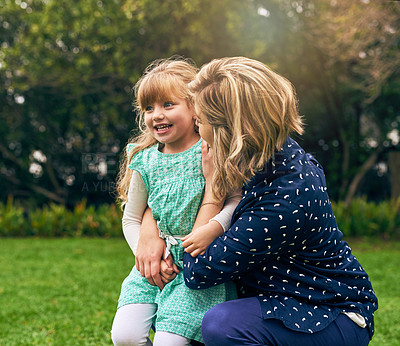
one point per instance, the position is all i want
(148, 109)
(168, 104)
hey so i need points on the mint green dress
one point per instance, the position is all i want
(175, 184)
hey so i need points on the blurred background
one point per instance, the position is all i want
(67, 69)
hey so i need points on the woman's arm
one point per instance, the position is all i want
(261, 230)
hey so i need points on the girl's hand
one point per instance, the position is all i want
(168, 270)
(150, 251)
(207, 162)
(197, 241)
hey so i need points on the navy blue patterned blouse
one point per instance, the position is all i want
(284, 247)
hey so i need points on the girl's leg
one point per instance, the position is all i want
(240, 322)
(132, 324)
(169, 339)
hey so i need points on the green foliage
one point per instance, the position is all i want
(12, 220)
(360, 219)
(369, 219)
(67, 70)
(57, 221)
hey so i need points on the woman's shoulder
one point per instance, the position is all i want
(292, 152)
(291, 175)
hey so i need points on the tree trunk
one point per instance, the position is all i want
(345, 164)
(366, 166)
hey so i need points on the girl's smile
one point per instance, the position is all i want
(162, 128)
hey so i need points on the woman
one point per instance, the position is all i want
(298, 282)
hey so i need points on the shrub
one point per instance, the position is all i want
(12, 219)
(58, 221)
(363, 218)
(360, 219)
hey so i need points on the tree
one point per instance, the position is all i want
(67, 96)
(343, 57)
(360, 38)
(68, 69)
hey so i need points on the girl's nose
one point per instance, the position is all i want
(158, 113)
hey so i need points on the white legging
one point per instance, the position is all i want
(132, 325)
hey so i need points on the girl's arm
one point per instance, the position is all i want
(133, 211)
(201, 237)
(225, 215)
(137, 220)
(211, 221)
(210, 206)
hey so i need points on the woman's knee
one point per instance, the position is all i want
(214, 325)
(227, 323)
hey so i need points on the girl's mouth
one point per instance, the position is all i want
(162, 128)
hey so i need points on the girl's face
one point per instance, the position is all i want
(171, 122)
(205, 129)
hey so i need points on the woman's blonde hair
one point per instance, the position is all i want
(252, 111)
(163, 80)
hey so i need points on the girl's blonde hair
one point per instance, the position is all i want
(163, 80)
(252, 111)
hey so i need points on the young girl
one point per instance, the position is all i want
(163, 171)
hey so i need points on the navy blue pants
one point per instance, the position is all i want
(240, 322)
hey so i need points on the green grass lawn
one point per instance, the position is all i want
(65, 291)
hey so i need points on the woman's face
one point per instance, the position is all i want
(205, 129)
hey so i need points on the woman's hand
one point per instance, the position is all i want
(168, 270)
(207, 162)
(150, 251)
